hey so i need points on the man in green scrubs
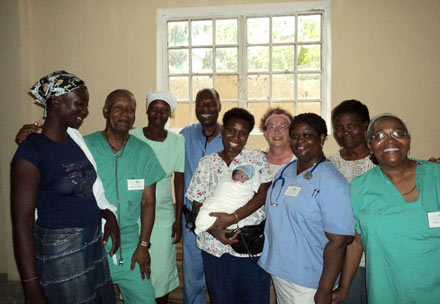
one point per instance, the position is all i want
(129, 171)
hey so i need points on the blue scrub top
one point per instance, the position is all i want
(295, 227)
(194, 146)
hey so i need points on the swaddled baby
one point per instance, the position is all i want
(232, 192)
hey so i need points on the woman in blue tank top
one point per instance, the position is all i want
(60, 256)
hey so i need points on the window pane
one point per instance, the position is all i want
(226, 31)
(178, 61)
(227, 86)
(282, 58)
(309, 107)
(283, 29)
(201, 32)
(180, 115)
(258, 109)
(202, 60)
(288, 106)
(226, 60)
(179, 86)
(258, 86)
(309, 57)
(201, 82)
(258, 30)
(309, 28)
(283, 86)
(226, 106)
(258, 58)
(178, 33)
(309, 86)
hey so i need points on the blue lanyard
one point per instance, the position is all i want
(307, 175)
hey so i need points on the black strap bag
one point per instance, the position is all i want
(250, 239)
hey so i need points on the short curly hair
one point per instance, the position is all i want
(351, 106)
(213, 92)
(271, 111)
(239, 113)
(311, 119)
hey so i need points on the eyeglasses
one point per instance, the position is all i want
(281, 127)
(381, 136)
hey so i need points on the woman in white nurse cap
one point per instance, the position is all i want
(170, 150)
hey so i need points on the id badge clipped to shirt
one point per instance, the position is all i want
(434, 219)
(292, 191)
(136, 184)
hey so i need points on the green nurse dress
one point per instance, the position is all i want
(171, 155)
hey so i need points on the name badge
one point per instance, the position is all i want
(136, 184)
(292, 191)
(434, 219)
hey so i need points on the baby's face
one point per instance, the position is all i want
(240, 176)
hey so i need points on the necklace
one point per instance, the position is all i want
(206, 139)
(309, 174)
(406, 193)
(208, 136)
(111, 146)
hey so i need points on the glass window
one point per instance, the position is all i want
(254, 57)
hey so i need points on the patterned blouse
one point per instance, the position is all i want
(351, 168)
(210, 170)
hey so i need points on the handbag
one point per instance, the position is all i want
(250, 239)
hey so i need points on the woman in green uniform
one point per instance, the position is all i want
(167, 231)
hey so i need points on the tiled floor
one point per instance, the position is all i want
(10, 292)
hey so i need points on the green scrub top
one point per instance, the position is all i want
(137, 168)
(402, 251)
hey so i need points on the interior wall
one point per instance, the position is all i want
(384, 53)
(14, 62)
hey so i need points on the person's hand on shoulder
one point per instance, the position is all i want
(24, 132)
(433, 159)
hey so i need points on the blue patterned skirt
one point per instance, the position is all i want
(72, 265)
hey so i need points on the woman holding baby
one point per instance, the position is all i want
(231, 277)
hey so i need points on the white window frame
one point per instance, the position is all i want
(250, 10)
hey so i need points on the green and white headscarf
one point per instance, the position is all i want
(55, 84)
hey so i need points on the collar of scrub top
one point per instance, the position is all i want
(307, 175)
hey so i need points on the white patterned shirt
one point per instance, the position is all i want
(210, 170)
(351, 168)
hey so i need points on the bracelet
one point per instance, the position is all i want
(236, 217)
(31, 279)
(145, 244)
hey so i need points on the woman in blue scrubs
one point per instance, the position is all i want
(309, 219)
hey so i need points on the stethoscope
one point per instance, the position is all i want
(121, 259)
(307, 175)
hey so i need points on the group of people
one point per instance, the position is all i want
(362, 224)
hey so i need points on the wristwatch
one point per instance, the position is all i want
(145, 244)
